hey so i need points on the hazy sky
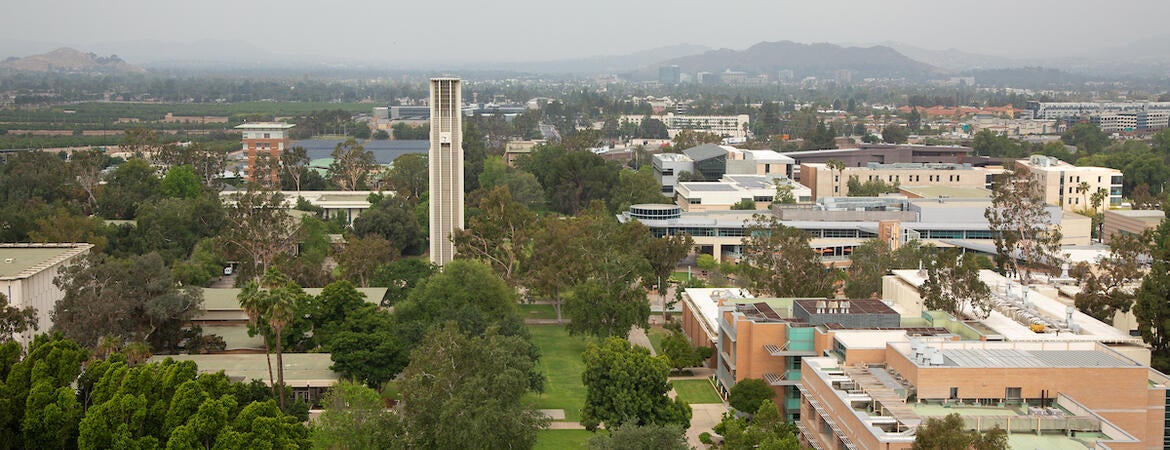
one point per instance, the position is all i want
(471, 30)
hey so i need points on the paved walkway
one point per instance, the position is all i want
(638, 337)
(704, 417)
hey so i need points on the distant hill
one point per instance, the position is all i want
(70, 60)
(807, 60)
(954, 59)
(596, 64)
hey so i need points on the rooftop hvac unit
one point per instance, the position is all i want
(821, 306)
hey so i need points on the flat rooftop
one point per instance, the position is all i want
(707, 186)
(946, 192)
(264, 126)
(228, 298)
(1024, 358)
(25, 260)
(300, 369)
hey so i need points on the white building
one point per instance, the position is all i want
(446, 166)
(1062, 182)
(26, 278)
(726, 126)
(732, 189)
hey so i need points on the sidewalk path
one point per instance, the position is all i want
(638, 337)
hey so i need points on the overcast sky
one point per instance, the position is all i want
(471, 30)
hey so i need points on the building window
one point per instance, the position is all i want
(954, 393)
(267, 135)
(1012, 393)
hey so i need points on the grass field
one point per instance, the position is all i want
(562, 439)
(656, 334)
(696, 391)
(538, 311)
(560, 360)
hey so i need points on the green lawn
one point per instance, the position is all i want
(656, 334)
(538, 311)
(696, 391)
(562, 439)
(560, 360)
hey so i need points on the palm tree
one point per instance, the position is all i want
(254, 301)
(281, 308)
(837, 167)
(1083, 189)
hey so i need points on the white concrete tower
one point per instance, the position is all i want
(446, 165)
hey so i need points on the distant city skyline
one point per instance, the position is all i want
(528, 30)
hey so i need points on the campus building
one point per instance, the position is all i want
(710, 162)
(732, 189)
(446, 167)
(828, 182)
(347, 204)
(725, 126)
(26, 278)
(1127, 221)
(1045, 394)
(882, 154)
(265, 139)
(1062, 182)
(837, 225)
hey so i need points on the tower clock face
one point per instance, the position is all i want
(445, 137)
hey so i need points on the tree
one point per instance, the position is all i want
(680, 352)
(207, 163)
(895, 134)
(86, 167)
(1152, 306)
(1108, 289)
(1025, 234)
(499, 235)
(766, 429)
(836, 168)
(625, 385)
(749, 394)
(634, 187)
(351, 165)
(272, 301)
(953, 285)
(181, 182)
(129, 185)
(362, 256)
(777, 261)
(136, 299)
(393, 220)
(467, 292)
(258, 229)
(870, 188)
(462, 391)
(873, 260)
(354, 418)
(365, 346)
(689, 139)
(400, 277)
(664, 254)
(14, 320)
(292, 163)
(746, 204)
(950, 433)
(605, 298)
(1087, 137)
(645, 437)
(409, 176)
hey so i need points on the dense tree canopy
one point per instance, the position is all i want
(625, 385)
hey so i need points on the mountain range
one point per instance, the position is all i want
(70, 60)
(807, 59)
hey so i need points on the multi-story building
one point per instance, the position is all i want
(837, 225)
(1127, 221)
(26, 278)
(1065, 110)
(669, 75)
(827, 182)
(446, 167)
(1115, 122)
(726, 126)
(667, 167)
(1072, 187)
(1046, 395)
(265, 139)
(732, 189)
(882, 154)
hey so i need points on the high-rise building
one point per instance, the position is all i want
(446, 165)
(669, 75)
(266, 139)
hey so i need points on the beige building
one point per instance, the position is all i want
(1062, 182)
(26, 278)
(826, 182)
(732, 189)
(1126, 221)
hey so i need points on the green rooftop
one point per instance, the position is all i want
(24, 260)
